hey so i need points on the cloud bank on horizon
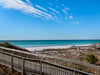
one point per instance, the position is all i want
(51, 12)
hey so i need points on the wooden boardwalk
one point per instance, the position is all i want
(29, 66)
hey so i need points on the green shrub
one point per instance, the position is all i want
(91, 58)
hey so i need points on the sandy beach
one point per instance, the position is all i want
(53, 47)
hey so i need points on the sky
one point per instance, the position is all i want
(49, 19)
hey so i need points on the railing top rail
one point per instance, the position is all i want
(49, 63)
(53, 57)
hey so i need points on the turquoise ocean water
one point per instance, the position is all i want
(39, 43)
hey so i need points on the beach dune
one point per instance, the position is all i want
(53, 47)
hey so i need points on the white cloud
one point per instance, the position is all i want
(28, 1)
(24, 7)
(71, 17)
(68, 9)
(64, 11)
(41, 8)
(54, 10)
(76, 22)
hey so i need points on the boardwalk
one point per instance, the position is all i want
(31, 66)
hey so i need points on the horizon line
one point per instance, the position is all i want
(45, 39)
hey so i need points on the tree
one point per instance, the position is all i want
(91, 59)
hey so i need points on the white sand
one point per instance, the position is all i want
(53, 47)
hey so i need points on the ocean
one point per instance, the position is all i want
(42, 43)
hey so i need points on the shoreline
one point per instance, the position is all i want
(53, 47)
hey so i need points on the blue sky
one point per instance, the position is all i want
(49, 19)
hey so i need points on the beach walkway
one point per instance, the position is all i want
(29, 66)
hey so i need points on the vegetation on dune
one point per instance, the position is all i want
(91, 58)
(8, 45)
(98, 48)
